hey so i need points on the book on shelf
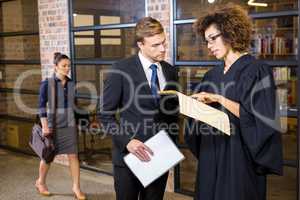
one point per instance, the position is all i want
(268, 45)
(286, 83)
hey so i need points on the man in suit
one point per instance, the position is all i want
(132, 88)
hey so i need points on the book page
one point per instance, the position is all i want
(200, 111)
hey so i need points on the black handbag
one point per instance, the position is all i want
(44, 146)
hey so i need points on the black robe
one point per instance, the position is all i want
(235, 167)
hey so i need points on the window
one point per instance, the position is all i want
(128, 12)
(193, 8)
(19, 56)
(103, 33)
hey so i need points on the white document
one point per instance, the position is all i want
(166, 155)
(200, 111)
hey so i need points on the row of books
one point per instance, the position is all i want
(285, 80)
(268, 44)
(283, 73)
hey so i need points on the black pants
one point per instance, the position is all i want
(128, 187)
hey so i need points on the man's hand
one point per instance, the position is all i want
(140, 150)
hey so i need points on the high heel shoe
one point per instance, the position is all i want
(43, 192)
(79, 197)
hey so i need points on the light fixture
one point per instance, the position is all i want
(252, 3)
(74, 14)
(211, 1)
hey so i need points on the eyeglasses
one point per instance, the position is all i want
(212, 39)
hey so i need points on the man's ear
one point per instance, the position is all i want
(139, 44)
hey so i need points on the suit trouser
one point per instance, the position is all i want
(128, 187)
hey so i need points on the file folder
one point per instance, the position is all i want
(166, 155)
(200, 111)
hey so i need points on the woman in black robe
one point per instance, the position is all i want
(235, 167)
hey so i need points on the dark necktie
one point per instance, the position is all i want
(154, 82)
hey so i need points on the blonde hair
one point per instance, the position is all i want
(147, 27)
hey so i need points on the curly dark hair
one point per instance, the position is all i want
(232, 21)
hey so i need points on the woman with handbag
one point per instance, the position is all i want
(58, 122)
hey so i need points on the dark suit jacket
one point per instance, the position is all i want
(123, 94)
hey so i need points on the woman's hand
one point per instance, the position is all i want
(232, 106)
(46, 131)
(206, 97)
(45, 128)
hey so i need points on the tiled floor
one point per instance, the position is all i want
(18, 173)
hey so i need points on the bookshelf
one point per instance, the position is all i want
(275, 38)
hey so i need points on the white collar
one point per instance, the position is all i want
(146, 63)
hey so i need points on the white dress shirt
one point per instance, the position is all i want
(148, 71)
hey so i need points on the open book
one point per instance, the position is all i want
(200, 111)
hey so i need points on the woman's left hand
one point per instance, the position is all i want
(206, 97)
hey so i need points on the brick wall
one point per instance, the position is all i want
(160, 9)
(54, 31)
